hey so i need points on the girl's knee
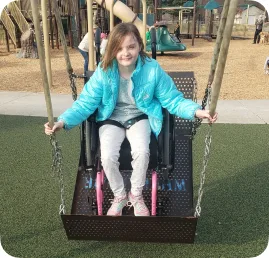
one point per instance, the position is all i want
(109, 158)
(140, 154)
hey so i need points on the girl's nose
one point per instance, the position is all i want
(126, 52)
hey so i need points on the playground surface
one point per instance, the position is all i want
(244, 77)
(234, 217)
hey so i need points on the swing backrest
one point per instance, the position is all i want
(161, 152)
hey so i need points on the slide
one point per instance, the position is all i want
(123, 12)
(165, 42)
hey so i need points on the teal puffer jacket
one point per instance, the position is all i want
(153, 89)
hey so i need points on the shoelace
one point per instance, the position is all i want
(139, 201)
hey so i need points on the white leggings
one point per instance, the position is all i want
(111, 138)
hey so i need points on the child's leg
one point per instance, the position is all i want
(86, 59)
(111, 138)
(139, 138)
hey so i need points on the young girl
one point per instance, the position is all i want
(127, 85)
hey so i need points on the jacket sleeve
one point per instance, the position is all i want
(88, 101)
(171, 98)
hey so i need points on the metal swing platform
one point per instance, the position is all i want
(175, 221)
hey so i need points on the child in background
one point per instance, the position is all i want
(128, 86)
(83, 48)
(103, 43)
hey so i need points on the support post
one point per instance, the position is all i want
(90, 34)
(218, 42)
(111, 16)
(69, 24)
(194, 22)
(51, 26)
(46, 40)
(223, 56)
(247, 15)
(144, 22)
(42, 64)
(62, 36)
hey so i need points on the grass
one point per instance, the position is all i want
(234, 219)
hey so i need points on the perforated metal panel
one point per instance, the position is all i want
(185, 83)
(126, 228)
(175, 221)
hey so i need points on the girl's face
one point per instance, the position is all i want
(128, 52)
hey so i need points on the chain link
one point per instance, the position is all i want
(57, 169)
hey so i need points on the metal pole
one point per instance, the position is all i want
(57, 33)
(111, 16)
(194, 23)
(155, 10)
(46, 40)
(51, 26)
(69, 24)
(79, 21)
(247, 14)
(223, 56)
(144, 22)
(90, 34)
(42, 64)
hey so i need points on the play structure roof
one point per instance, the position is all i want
(212, 5)
(188, 4)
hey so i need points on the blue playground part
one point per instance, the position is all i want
(165, 41)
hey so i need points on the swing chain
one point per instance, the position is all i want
(202, 176)
(57, 169)
(195, 89)
(73, 86)
(208, 140)
(198, 121)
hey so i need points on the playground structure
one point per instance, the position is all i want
(17, 15)
(165, 42)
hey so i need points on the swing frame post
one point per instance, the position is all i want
(216, 75)
(42, 62)
(218, 42)
(223, 56)
(46, 40)
(56, 150)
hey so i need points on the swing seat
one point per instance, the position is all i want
(175, 221)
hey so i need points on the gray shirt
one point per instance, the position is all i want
(125, 108)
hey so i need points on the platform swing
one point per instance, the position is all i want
(169, 189)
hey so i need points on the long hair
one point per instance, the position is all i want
(115, 40)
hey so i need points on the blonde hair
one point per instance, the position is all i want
(115, 40)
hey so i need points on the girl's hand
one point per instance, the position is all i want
(205, 114)
(56, 127)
